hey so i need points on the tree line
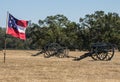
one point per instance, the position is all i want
(96, 27)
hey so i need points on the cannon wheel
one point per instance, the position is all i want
(99, 54)
(110, 53)
(46, 55)
(105, 54)
(102, 56)
(94, 56)
(46, 51)
(62, 52)
(51, 50)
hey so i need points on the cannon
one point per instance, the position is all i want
(53, 49)
(99, 51)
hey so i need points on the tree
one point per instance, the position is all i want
(101, 27)
(2, 38)
(51, 29)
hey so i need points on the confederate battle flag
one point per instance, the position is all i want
(16, 28)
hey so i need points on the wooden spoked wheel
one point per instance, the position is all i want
(102, 52)
(51, 50)
(110, 53)
(94, 56)
(62, 52)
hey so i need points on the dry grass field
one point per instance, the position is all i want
(20, 66)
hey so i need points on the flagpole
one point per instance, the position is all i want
(5, 37)
(5, 49)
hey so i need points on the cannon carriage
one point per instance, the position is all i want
(54, 49)
(102, 51)
(99, 51)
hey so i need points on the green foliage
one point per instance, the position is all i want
(101, 27)
(96, 27)
(2, 38)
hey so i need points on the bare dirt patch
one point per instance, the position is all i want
(20, 66)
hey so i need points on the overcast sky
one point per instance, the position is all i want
(39, 9)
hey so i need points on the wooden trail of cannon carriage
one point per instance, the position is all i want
(99, 51)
